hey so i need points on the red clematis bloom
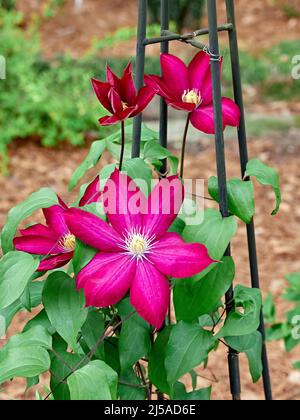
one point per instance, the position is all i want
(189, 88)
(136, 251)
(119, 96)
(54, 241)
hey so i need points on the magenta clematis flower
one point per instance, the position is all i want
(119, 96)
(54, 241)
(136, 251)
(189, 88)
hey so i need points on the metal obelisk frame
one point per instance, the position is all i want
(213, 50)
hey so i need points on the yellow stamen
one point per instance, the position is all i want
(124, 105)
(138, 245)
(69, 242)
(192, 97)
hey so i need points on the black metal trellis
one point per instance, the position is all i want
(213, 50)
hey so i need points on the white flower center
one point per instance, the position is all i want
(138, 244)
(68, 242)
(192, 96)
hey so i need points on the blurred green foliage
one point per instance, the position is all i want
(8, 4)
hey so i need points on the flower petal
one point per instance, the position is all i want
(115, 101)
(54, 262)
(91, 230)
(112, 78)
(55, 218)
(144, 97)
(182, 106)
(117, 118)
(231, 113)
(176, 258)
(203, 117)
(37, 245)
(39, 230)
(150, 294)
(106, 279)
(160, 87)
(175, 74)
(101, 90)
(164, 203)
(92, 193)
(123, 203)
(128, 91)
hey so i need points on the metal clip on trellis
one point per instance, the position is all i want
(213, 50)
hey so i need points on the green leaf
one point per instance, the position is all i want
(25, 355)
(134, 391)
(111, 352)
(156, 367)
(193, 299)
(140, 172)
(188, 347)
(134, 342)
(43, 198)
(269, 309)
(92, 330)
(244, 318)
(251, 345)
(83, 254)
(62, 365)
(41, 319)
(154, 152)
(95, 381)
(64, 306)
(91, 160)
(16, 269)
(265, 175)
(198, 395)
(214, 232)
(240, 197)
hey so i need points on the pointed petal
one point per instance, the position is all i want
(150, 294)
(175, 74)
(123, 203)
(54, 262)
(117, 118)
(92, 193)
(115, 101)
(160, 87)
(128, 91)
(203, 119)
(39, 230)
(112, 78)
(92, 231)
(55, 218)
(38, 245)
(101, 90)
(176, 258)
(231, 113)
(144, 97)
(164, 204)
(106, 279)
(182, 106)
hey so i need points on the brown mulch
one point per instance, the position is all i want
(277, 238)
(261, 24)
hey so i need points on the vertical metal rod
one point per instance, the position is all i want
(140, 71)
(243, 150)
(163, 122)
(233, 357)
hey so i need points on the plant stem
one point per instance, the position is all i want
(122, 144)
(186, 129)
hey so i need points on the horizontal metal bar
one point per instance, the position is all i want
(172, 36)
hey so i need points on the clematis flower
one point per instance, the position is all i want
(119, 96)
(189, 88)
(54, 241)
(136, 251)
